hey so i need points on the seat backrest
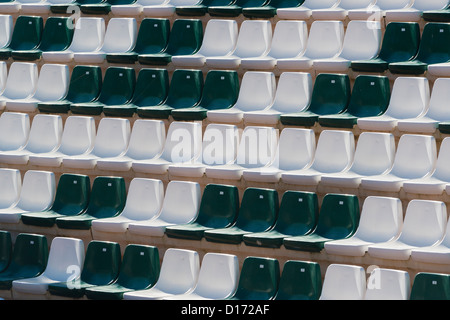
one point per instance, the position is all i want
(289, 39)
(72, 194)
(257, 91)
(220, 144)
(226, 31)
(401, 41)
(221, 90)
(85, 84)
(434, 46)
(254, 39)
(118, 86)
(88, 35)
(120, 35)
(249, 3)
(3, 75)
(78, 136)
(355, 4)
(5, 249)
(14, 130)
(27, 33)
(65, 255)
(186, 36)
(30, 255)
(183, 142)
(325, 39)
(53, 82)
(108, 197)
(152, 87)
(344, 282)
(293, 93)
(296, 149)
(21, 81)
(362, 40)
(140, 145)
(321, 4)
(393, 4)
(152, 36)
(428, 5)
(38, 191)
(45, 133)
(112, 138)
(102, 263)
(57, 34)
(388, 284)
(11, 185)
(437, 109)
(185, 88)
(430, 286)
(331, 94)
(7, 26)
(441, 170)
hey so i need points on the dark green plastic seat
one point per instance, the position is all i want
(444, 127)
(269, 9)
(101, 267)
(201, 8)
(117, 89)
(234, 9)
(107, 200)
(258, 213)
(258, 280)
(431, 286)
(442, 15)
(29, 259)
(400, 43)
(297, 217)
(95, 7)
(338, 219)
(85, 85)
(220, 91)
(139, 271)
(5, 249)
(26, 35)
(370, 97)
(72, 198)
(56, 36)
(152, 38)
(300, 280)
(218, 209)
(331, 95)
(185, 38)
(434, 48)
(185, 91)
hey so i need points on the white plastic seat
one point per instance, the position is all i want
(334, 153)
(88, 37)
(254, 39)
(146, 142)
(374, 155)
(180, 206)
(219, 147)
(377, 10)
(217, 278)
(11, 7)
(362, 41)
(178, 275)
(289, 40)
(409, 99)
(11, 184)
(257, 92)
(293, 94)
(30, 7)
(381, 221)
(340, 11)
(3, 75)
(77, 138)
(66, 256)
(295, 151)
(257, 149)
(388, 284)
(219, 39)
(344, 282)
(324, 42)
(415, 158)
(166, 8)
(37, 194)
(304, 11)
(45, 136)
(144, 201)
(438, 253)
(414, 12)
(21, 82)
(14, 130)
(6, 29)
(111, 141)
(52, 85)
(120, 37)
(183, 144)
(135, 9)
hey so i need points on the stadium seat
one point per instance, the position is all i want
(183, 144)
(257, 92)
(200, 8)
(117, 90)
(257, 213)
(146, 142)
(415, 158)
(218, 209)
(139, 270)
(441, 15)
(144, 201)
(259, 279)
(325, 41)
(234, 9)
(10, 7)
(297, 217)
(338, 219)
(71, 198)
(111, 141)
(424, 225)
(339, 144)
(374, 155)
(344, 282)
(344, 9)
(225, 30)
(254, 39)
(288, 41)
(220, 91)
(388, 284)
(430, 286)
(361, 42)
(7, 24)
(66, 254)
(29, 259)
(293, 95)
(84, 86)
(304, 11)
(180, 206)
(300, 280)
(295, 151)
(165, 9)
(257, 149)
(433, 49)
(14, 130)
(6, 248)
(45, 136)
(415, 12)
(107, 199)
(135, 8)
(409, 99)
(331, 95)
(178, 275)
(377, 10)
(65, 6)
(381, 221)
(270, 8)
(88, 36)
(100, 267)
(23, 73)
(3, 75)
(95, 7)
(52, 85)
(185, 91)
